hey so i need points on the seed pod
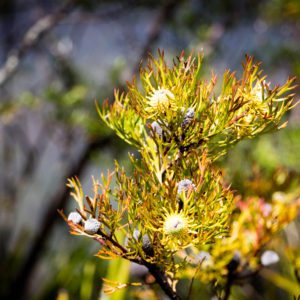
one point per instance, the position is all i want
(91, 226)
(75, 217)
(269, 257)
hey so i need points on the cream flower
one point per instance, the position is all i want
(175, 224)
(161, 100)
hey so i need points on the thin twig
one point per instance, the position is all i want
(154, 269)
(162, 280)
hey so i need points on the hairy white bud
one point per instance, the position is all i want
(269, 257)
(91, 226)
(75, 217)
(185, 185)
(188, 117)
(157, 128)
(147, 246)
(136, 234)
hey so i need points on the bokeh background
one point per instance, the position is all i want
(56, 58)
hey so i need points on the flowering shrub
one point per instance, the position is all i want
(180, 218)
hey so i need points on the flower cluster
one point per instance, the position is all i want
(175, 210)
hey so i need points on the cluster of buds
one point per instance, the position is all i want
(91, 226)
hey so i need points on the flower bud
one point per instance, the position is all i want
(269, 257)
(157, 128)
(147, 246)
(185, 185)
(136, 234)
(91, 226)
(75, 217)
(188, 117)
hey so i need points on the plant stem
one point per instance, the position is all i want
(228, 286)
(161, 279)
(158, 274)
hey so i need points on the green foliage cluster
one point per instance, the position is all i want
(175, 214)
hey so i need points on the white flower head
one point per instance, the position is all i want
(269, 257)
(91, 226)
(160, 100)
(75, 217)
(175, 224)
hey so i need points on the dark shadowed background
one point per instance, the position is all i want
(56, 59)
